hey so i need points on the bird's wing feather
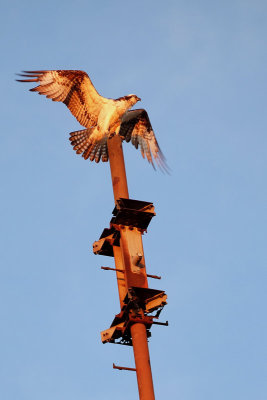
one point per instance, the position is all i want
(73, 88)
(91, 145)
(136, 127)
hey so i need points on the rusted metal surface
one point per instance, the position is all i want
(142, 362)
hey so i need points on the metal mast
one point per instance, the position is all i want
(140, 305)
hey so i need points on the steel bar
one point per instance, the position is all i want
(112, 269)
(121, 270)
(123, 368)
(161, 323)
(153, 276)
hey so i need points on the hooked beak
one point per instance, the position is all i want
(138, 99)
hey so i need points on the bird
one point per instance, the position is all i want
(101, 117)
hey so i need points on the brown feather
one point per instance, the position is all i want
(87, 143)
(136, 127)
(73, 88)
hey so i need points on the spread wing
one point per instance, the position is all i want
(136, 127)
(73, 88)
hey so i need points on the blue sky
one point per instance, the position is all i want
(200, 69)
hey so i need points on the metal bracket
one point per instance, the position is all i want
(108, 239)
(128, 212)
(138, 305)
(133, 213)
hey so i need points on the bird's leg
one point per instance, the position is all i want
(110, 135)
(114, 130)
(117, 129)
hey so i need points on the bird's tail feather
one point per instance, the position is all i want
(86, 143)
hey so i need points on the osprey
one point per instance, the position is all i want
(101, 117)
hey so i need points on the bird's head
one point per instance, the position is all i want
(132, 99)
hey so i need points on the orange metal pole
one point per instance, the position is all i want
(142, 362)
(120, 274)
(128, 241)
(117, 168)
